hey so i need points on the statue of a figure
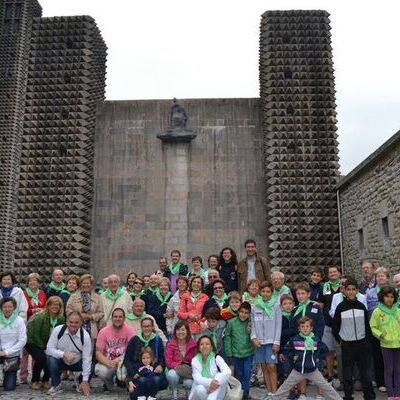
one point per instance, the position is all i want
(177, 131)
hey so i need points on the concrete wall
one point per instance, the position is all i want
(372, 195)
(225, 178)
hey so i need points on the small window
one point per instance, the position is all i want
(361, 239)
(385, 227)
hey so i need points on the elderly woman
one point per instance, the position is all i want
(87, 302)
(146, 338)
(12, 340)
(71, 286)
(138, 313)
(252, 293)
(39, 330)
(179, 353)
(8, 289)
(192, 303)
(158, 302)
(278, 283)
(173, 305)
(219, 298)
(210, 373)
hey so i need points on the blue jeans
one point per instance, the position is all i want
(57, 365)
(243, 367)
(147, 386)
(10, 381)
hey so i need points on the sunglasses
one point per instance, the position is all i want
(137, 283)
(219, 287)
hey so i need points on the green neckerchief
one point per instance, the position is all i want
(378, 289)
(33, 296)
(201, 273)
(146, 341)
(194, 297)
(358, 296)
(133, 317)
(267, 307)
(55, 288)
(136, 294)
(66, 291)
(331, 285)
(234, 313)
(115, 296)
(163, 299)
(6, 322)
(392, 313)
(174, 268)
(283, 289)
(249, 298)
(301, 308)
(205, 367)
(53, 322)
(308, 341)
(151, 290)
(220, 299)
(286, 314)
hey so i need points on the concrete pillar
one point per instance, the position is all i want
(176, 197)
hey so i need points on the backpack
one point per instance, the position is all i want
(62, 331)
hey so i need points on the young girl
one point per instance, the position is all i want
(266, 325)
(147, 386)
(385, 326)
(235, 300)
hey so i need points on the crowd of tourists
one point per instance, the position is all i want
(200, 326)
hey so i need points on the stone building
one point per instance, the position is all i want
(369, 204)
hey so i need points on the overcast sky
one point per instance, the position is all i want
(159, 49)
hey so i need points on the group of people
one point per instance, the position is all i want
(198, 326)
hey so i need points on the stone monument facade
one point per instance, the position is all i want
(301, 155)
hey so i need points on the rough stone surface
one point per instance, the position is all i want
(370, 213)
(139, 212)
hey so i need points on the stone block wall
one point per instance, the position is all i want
(370, 213)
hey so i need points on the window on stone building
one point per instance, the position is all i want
(361, 239)
(385, 227)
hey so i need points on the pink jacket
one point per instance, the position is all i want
(187, 307)
(173, 356)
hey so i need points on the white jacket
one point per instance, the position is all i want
(22, 304)
(173, 305)
(219, 370)
(13, 338)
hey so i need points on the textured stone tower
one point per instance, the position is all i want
(299, 122)
(66, 82)
(15, 30)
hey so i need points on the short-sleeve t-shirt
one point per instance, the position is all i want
(113, 343)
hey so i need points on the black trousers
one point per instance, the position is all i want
(379, 367)
(40, 363)
(357, 353)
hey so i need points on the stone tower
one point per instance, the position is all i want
(301, 156)
(16, 19)
(66, 82)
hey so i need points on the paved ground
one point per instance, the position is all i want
(23, 392)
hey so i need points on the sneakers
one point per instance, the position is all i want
(36, 385)
(336, 383)
(302, 396)
(382, 389)
(46, 385)
(141, 398)
(55, 390)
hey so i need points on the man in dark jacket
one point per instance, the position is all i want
(175, 269)
(252, 266)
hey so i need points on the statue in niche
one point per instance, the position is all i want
(177, 132)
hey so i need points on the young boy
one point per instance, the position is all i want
(214, 327)
(238, 346)
(305, 349)
(315, 283)
(266, 326)
(235, 300)
(350, 327)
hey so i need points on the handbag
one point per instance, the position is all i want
(11, 364)
(184, 371)
(234, 391)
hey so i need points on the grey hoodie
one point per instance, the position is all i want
(266, 330)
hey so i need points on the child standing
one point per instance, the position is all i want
(266, 326)
(238, 346)
(385, 326)
(235, 300)
(315, 283)
(305, 349)
(147, 386)
(350, 327)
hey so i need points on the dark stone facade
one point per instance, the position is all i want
(301, 155)
(369, 198)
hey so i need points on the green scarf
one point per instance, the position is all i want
(194, 297)
(151, 290)
(301, 308)
(392, 313)
(330, 285)
(234, 313)
(221, 299)
(114, 297)
(101, 291)
(308, 341)
(205, 367)
(66, 291)
(250, 299)
(53, 322)
(358, 296)
(267, 307)
(174, 268)
(146, 341)
(133, 317)
(33, 296)
(135, 294)
(286, 314)
(55, 288)
(163, 299)
(6, 322)
(201, 273)
(282, 290)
